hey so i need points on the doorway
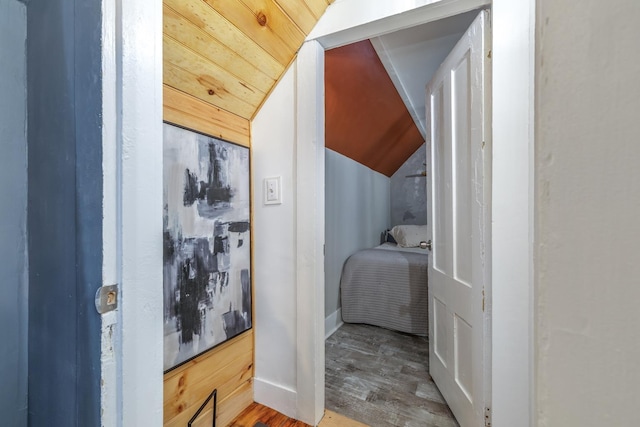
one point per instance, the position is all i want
(512, 163)
(364, 194)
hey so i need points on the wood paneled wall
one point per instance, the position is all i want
(221, 59)
(231, 53)
(185, 110)
(229, 367)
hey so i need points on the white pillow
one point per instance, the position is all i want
(410, 236)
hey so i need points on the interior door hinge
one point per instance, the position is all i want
(487, 417)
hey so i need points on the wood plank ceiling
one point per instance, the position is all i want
(366, 119)
(231, 53)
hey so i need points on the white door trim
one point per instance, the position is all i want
(132, 338)
(512, 307)
(309, 142)
(110, 275)
(512, 168)
(355, 20)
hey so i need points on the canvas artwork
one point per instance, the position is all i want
(207, 254)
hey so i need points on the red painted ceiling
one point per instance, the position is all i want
(366, 120)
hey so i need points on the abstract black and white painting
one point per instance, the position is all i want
(207, 253)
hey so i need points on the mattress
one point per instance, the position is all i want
(393, 247)
(386, 286)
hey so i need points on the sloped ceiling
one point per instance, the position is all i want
(375, 91)
(412, 56)
(231, 53)
(365, 118)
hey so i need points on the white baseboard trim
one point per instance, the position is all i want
(275, 396)
(332, 323)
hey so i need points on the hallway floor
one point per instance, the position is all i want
(257, 414)
(381, 378)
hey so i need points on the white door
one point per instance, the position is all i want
(458, 187)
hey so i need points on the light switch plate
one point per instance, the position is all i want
(273, 190)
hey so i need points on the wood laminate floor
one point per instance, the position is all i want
(381, 378)
(257, 413)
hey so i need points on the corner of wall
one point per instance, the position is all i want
(275, 396)
(272, 143)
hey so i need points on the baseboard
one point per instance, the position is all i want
(332, 323)
(275, 396)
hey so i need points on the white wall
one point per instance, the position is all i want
(13, 213)
(409, 195)
(340, 17)
(412, 56)
(356, 212)
(310, 161)
(511, 303)
(132, 336)
(587, 211)
(274, 241)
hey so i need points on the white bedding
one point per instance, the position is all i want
(393, 247)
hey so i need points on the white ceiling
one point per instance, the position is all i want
(412, 56)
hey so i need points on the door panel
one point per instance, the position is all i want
(461, 139)
(458, 197)
(440, 345)
(442, 226)
(463, 333)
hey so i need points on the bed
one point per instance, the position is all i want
(386, 286)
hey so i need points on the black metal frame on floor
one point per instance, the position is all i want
(213, 394)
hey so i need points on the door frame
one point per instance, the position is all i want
(132, 337)
(512, 98)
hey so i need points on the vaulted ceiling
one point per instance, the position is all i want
(375, 91)
(366, 119)
(230, 53)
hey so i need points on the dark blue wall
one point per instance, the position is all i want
(64, 210)
(13, 214)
